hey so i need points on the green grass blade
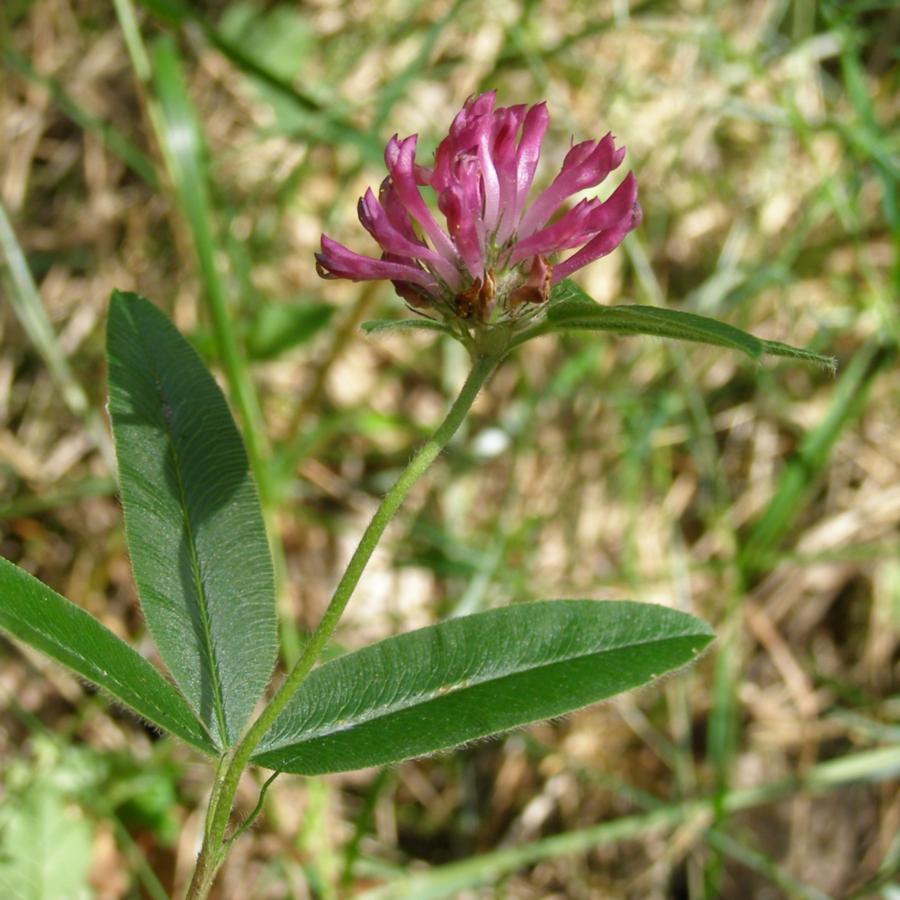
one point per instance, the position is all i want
(277, 328)
(472, 677)
(62, 495)
(873, 766)
(29, 310)
(182, 145)
(760, 862)
(866, 135)
(195, 532)
(399, 85)
(324, 124)
(799, 474)
(185, 154)
(114, 140)
(34, 614)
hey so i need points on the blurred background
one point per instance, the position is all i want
(194, 152)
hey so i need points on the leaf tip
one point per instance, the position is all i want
(118, 297)
(826, 361)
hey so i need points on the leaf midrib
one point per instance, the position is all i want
(699, 329)
(199, 586)
(380, 712)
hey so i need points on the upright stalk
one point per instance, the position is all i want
(213, 851)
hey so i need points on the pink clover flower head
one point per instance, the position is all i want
(495, 257)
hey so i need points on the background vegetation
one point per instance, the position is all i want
(194, 151)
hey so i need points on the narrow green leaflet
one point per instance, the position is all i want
(572, 309)
(38, 616)
(382, 326)
(474, 676)
(192, 518)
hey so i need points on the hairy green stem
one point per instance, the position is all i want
(219, 810)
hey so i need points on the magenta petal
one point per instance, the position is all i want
(470, 122)
(463, 136)
(585, 165)
(392, 152)
(475, 107)
(461, 227)
(336, 261)
(461, 204)
(482, 176)
(376, 221)
(460, 141)
(489, 180)
(581, 223)
(570, 230)
(619, 205)
(442, 174)
(503, 143)
(395, 210)
(603, 243)
(578, 155)
(400, 161)
(527, 155)
(503, 135)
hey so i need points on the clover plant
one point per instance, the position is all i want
(494, 278)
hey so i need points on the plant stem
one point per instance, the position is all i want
(219, 811)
